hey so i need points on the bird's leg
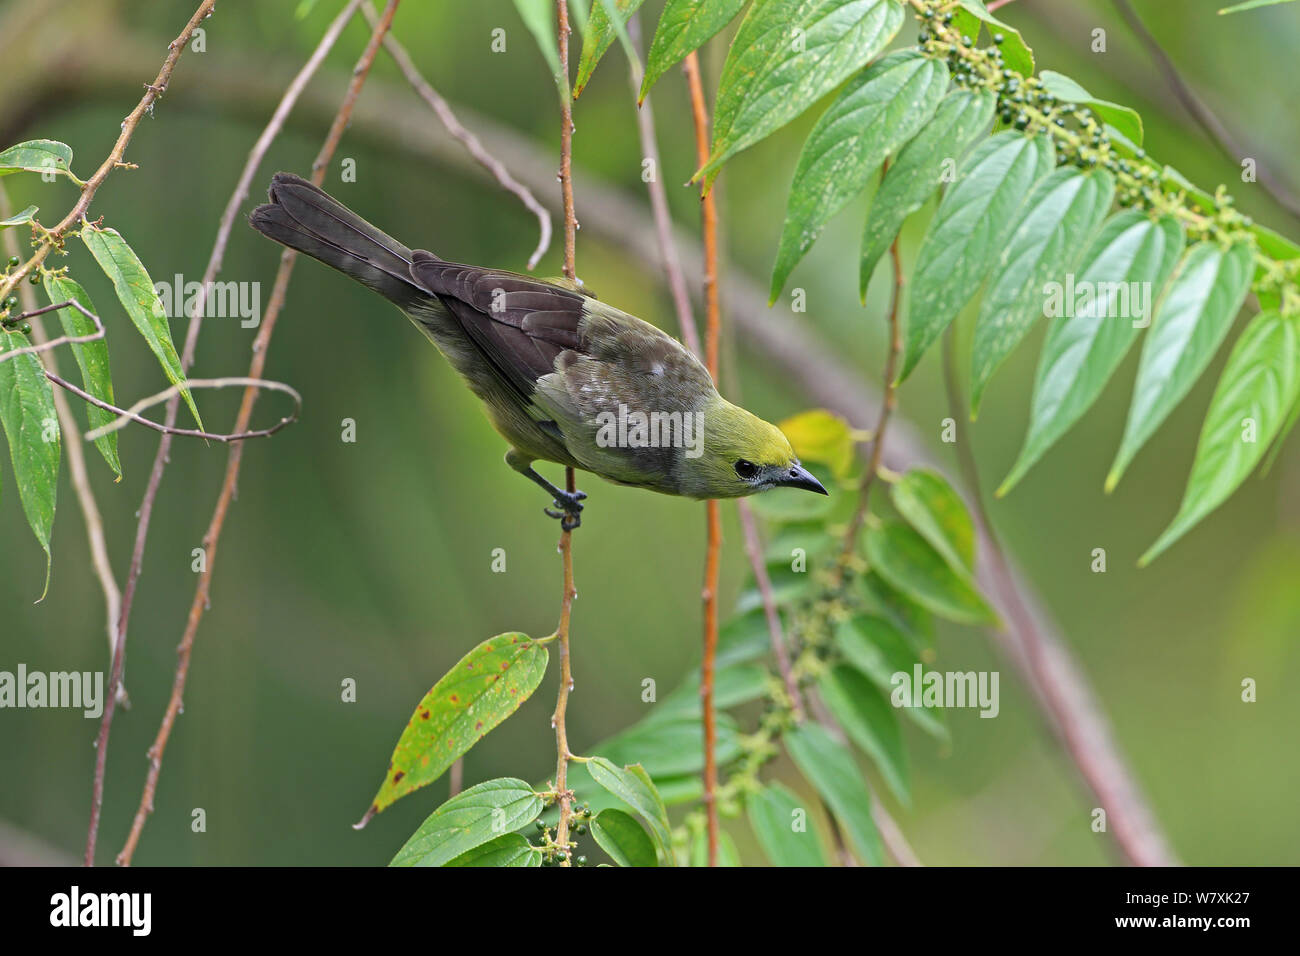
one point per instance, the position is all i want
(568, 503)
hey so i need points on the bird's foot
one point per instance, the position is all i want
(569, 504)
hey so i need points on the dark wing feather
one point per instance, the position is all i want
(521, 325)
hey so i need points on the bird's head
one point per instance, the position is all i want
(743, 455)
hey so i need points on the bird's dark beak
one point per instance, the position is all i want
(800, 477)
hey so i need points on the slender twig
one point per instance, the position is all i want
(776, 633)
(30, 311)
(496, 169)
(564, 796)
(712, 327)
(212, 537)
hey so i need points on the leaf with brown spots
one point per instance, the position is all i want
(485, 687)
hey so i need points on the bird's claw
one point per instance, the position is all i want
(570, 510)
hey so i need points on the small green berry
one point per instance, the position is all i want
(25, 328)
(34, 278)
(14, 261)
(998, 38)
(581, 861)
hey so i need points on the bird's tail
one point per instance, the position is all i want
(304, 217)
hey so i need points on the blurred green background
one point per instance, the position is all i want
(372, 560)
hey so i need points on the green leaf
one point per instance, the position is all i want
(31, 427)
(1259, 385)
(18, 218)
(539, 18)
(968, 233)
(36, 156)
(1190, 323)
(774, 813)
(625, 840)
(1122, 118)
(1116, 288)
(684, 27)
(931, 506)
(671, 747)
(1055, 225)
(1251, 5)
(907, 561)
(829, 767)
(878, 650)
(469, 820)
(1016, 52)
(509, 849)
(821, 436)
(92, 359)
(733, 684)
(485, 687)
(915, 172)
(787, 55)
(869, 719)
(632, 785)
(727, 854)
(602, 28)
(135, 290)
(878, 111)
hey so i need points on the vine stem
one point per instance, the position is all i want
(713, 548)
(564, 796)
(210, 540)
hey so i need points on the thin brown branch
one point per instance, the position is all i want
(212, 538)
(713, 548)
(30, 311)
(776, 633)
(495, 168)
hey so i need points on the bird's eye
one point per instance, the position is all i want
(746, 469)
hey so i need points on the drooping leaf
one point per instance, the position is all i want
(821, 436)
(485, 687)
(1123, 118)
(829, 767)
(135, 290)
(632, 785)
(36, 156)
(916, 171)
(1116, 288)
(875, 113)
(509, 849)
(1190, 323)
(1259, 386)
(786, 831)
(31, 427)
(539, 18)
(92, 359)
(625, 840)
(1016, 52)
(968, 233)
(907, 561)
(787, 55)
(870, 722)
(470, 819)
(18, 218)
(878, 650)
(930, 505)
(604, 25)
(684, 27)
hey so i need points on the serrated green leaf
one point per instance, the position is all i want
(785, 829)
(31, 427)
(625, 840)
(18, 218)
(787, 55)
(135, 290)
(878, 649)
(931, 506)
(1190, 324)
(1055, 225)
(875, 113)
(684, 27)
(1259, 385)
(1016, 52)
(92, 359)
(868, 718)
(1122, 118)
(1131, 259)
(485, 687)
(968, 233)
(509, 849)
(470, 819)
(632, 785)
(916, 171)
(602, 27)
(36, 156)
(907, 561)
(539, 18)
(829, 767)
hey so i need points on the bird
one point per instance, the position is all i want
(563, 376)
